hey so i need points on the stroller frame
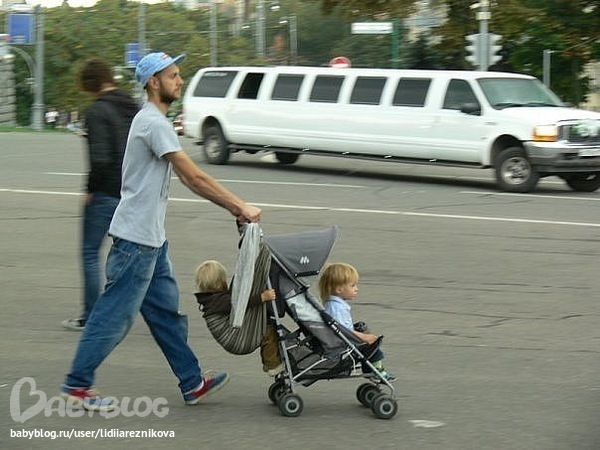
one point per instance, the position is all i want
(282, 392)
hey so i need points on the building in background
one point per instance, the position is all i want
(424, 20)
(14, 5)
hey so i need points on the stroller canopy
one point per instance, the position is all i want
(302, 254)
(297, 255)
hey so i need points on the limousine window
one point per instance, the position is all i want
(287, 87)
(411, 92)
(459, 92)
(250, 85)
(514, 92)
(326, 89)
(367, 90)
(215, 83)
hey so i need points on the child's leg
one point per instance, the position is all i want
(376, 359)
(269, 349)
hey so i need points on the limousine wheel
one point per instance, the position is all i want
(514, 172)
(216, 147)
(584, 182)
(287, 158)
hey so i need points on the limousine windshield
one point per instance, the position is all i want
(515, 92)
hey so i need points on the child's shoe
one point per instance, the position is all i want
(388, 376)
(382, 374)
(379, 366)
(87, 398)
(210, 383)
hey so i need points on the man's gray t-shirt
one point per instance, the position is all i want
(140, 216)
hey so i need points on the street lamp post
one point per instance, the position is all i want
(294, 38)
(546, 62)
(213, 33)
(142, 29)
(260, 28)
(37, 110)
(139, 90)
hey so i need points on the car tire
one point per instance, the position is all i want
(583, 182)
(286, 158)
(514, 172)
(215, 146)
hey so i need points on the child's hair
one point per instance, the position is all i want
(334, 276)
(211, 276)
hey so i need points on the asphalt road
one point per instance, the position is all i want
(488, 303)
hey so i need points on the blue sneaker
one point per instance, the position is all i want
(388, 376)
(87, 398)
(382, 374)
(210, 384)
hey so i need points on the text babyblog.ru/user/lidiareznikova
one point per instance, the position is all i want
(100, 433)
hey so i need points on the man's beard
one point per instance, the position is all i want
(165, 97)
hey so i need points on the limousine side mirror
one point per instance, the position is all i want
(471, 108)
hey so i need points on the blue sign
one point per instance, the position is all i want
(21, 29)
(132, 54)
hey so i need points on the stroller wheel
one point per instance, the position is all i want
(366, 392)
(290, 405)
(276, 391)
(384, 406)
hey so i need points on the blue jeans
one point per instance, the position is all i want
(96, 220)
(139, 279)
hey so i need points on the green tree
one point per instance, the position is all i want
(370, 8)
(422, 55)
(570, 28)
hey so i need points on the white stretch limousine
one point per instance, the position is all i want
(509, 122)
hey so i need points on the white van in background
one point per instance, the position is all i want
(508, 122)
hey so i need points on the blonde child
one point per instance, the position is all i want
(337, 286)
(214, 297)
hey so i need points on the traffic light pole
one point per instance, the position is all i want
(483, 16)
(482, 49)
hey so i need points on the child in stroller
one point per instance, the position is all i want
(320, 348)
(214, 297)
(338, 285)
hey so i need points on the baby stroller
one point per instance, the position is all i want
(320, 348)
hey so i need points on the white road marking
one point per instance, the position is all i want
(426, 423)
(28, 191)
(441, 177)
(537, 196)
(287, 183)
(353, 210)
(66, 174)
(290, 183)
